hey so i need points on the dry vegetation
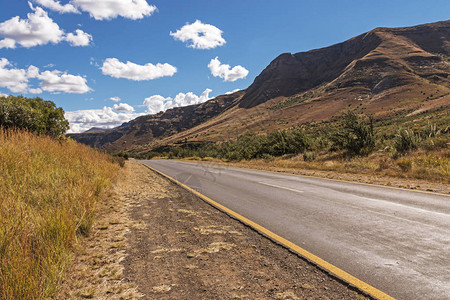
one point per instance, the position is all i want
(49, 189)
(418, 170)
(407, 147)
(97, 270)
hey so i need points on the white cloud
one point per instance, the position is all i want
(57, 81)
(117, 69)
(110, 117)
(82, 120)
(123, 107)
(158, 103)
(56, 5)
(232, 92)
(109, 9)
(37, 29)
(17, 80)
(3, 95)
(80, 38)
(225, 71)
(103, 9)
(201, 36)
(115, 99)
(35, 91)
(32, 72)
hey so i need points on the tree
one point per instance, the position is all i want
(36, 115)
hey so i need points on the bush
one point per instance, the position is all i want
(405, 165)
(356, 134)
(122, 156)
(35, 115)
(309, 156)
(406, 140)
(431, 131)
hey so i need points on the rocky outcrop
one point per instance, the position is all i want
(377, 60)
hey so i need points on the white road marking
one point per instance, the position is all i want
(281, 187)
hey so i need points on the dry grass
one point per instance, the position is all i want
(98, 271)
(431, 166)
(49, 190)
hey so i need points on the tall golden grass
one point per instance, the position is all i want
(48, 192)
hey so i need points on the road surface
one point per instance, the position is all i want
(396, 240)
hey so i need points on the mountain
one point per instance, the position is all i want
(383, 72)
(373, 62)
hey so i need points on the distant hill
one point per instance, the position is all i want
(383, 72)
(94, 129)
(145, 129)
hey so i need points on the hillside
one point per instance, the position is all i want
(386, 72)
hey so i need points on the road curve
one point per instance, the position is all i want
(396, 240)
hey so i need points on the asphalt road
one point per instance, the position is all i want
(396, 240)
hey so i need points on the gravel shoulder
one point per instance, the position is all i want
(162, 242)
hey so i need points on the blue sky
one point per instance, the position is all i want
(70, 65)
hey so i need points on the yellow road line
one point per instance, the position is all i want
(324, 178)
(361, 285)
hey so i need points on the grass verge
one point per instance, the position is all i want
(49, 189)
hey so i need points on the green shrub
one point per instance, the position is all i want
(431, 131)
(406, 140)
(436, 143)
(35, 115)
(356, 134)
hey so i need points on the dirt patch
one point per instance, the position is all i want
(190, 250)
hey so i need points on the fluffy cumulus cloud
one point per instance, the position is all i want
(110, 117)
(199, 35)
(37, 29)
(56, 5)
(3, 95)
(79, 38)
(123, 107)
(117, 69)
(158, 103)
(109, 9)
(225, 71)
(17, 80)
(115, 99)
(57, 81)
(103, 9)
(82, 120)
